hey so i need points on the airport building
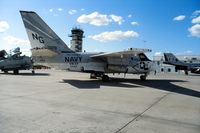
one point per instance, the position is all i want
(165, 68)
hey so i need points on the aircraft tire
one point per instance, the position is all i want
(105, 78)
(33, 72)
(93, 76)
(5, 71)
(16, 71)
(186, 72)
(143, 77)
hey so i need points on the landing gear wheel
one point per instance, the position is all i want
(105, 78)
(33, 72)
(16, 71)
(5, 71)
(186, 72)
(93, 76)
(143, 77)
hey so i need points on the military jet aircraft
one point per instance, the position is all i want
(49, 50)
(14, 62)
(180, 65)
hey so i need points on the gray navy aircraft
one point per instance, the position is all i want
(14, 62)
(180, 65)
(49, 50)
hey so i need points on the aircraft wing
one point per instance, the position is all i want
(121, 54)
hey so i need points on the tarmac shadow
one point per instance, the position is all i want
(194, 74)
(96, 84)
(26, 74)
(160, 84)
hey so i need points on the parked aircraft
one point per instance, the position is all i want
(14, 62)
(180, 65)
(48, 49)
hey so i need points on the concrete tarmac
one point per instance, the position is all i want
(53, 101)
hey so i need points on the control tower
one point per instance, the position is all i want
(77, 39)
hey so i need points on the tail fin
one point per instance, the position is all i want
(170, 58)
(41, 36)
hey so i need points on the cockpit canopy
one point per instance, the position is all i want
(143, 57)
(3, 53)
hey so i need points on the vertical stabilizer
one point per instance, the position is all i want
(169, 57)
(41, 36)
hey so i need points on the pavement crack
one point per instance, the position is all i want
(140, 114)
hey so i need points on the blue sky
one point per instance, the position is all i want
(114, 25)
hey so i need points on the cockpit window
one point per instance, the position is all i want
(143, 57)
(135, 58)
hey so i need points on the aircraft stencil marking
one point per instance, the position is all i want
(37, 37)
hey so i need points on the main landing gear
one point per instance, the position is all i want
(143, 77)
(102, 76)
(33, 72)
(16, 71)
(93, 76)
(186, 72)
(105, 78)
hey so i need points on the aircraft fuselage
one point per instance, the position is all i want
(83, 62)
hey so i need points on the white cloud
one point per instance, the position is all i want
(195, 30)
(94, 19)
(98, 19)
(158, 54)
(196, 20)
(55, 15)
(4, 26)
(179, 18)
(51, 10)
(71, 12)
(195, 13)
(129, 16)
(189, 52)
(96, 50)
(117, 19)
(26, 52)
(60, 9)
(114, 35)
(82, 9)
(135, 23)
(15, 41)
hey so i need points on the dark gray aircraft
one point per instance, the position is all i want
(14, 62)
(180, 65)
